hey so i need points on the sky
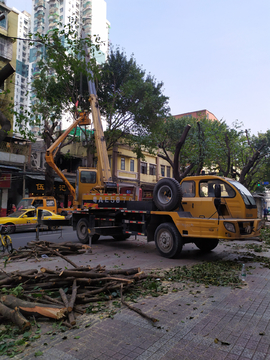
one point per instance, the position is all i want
(209, 54)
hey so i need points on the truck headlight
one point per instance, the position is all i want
(229, 226)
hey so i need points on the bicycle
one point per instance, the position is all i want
(6, 242)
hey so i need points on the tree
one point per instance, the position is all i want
(57, 82)
(215, 146)
(192, 143)
(131, 101)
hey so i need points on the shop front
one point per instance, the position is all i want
(35, 186)
(5, 185)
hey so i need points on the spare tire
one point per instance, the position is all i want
(167, 194)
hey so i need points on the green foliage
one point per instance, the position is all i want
(265, 235)
(131, 100)
(17, 291)
(13, 341)
(218, 273)
(62, 60)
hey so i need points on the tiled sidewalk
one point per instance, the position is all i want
(194, 323)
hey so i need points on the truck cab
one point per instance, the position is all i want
(199, 198)
(38, 202)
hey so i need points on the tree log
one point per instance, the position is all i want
(124, 271)
(73, 295)
(15, 316)
(69, 309)
(26, 307)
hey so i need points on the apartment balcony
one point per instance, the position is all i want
(40, 3)
(87, 3)
(87, 11)
(40, 14)
(53, 26)
(88, 22)
(53, 10)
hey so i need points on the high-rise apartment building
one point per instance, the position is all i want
(47, 15)
(22, 79)
(8, 50)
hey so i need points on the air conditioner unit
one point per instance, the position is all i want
(38, 160)
(35, 160)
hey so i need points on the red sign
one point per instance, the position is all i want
(5, 181)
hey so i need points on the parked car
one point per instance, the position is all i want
(26, 219)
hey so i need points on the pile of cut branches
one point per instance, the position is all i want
(71, 291)
(37, 249)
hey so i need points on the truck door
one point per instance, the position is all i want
(199, 204)
(207, 197)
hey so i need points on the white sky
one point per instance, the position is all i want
(209, 54)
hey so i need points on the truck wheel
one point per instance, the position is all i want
(168, 240)
(121, 237)
(206, 244)
(10, 228)
(82, 231)
(167, 194)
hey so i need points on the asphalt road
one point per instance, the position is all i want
(66, 234)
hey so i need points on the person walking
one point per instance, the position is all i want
(265, 213)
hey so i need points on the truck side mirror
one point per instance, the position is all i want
(217, 191)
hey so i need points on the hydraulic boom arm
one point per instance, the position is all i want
(104, 169)
(53, 149)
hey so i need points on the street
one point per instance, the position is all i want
(217, 315)
(66, 234)
(133, 252)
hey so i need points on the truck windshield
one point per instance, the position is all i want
(246, 195)
(25, 204)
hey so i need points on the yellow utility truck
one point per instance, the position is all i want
(201, 210)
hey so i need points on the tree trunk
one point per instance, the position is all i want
(51, 311)
(179, 145)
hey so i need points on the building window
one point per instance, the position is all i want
(143, 168)
(131, 165)
(152, 169)
(168, 171)
(6, 48)
(162, 170)
(122, 163)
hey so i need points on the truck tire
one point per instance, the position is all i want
(206, 244)
(168, 240)
(167, 194)
(121, 237)
(82, 231)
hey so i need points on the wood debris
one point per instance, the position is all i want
(39, 249)
(72, 290)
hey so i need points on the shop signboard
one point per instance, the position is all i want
(5, 181)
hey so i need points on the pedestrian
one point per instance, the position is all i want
(265, 212)
(13, 209)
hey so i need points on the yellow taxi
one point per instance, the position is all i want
(26, 219)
